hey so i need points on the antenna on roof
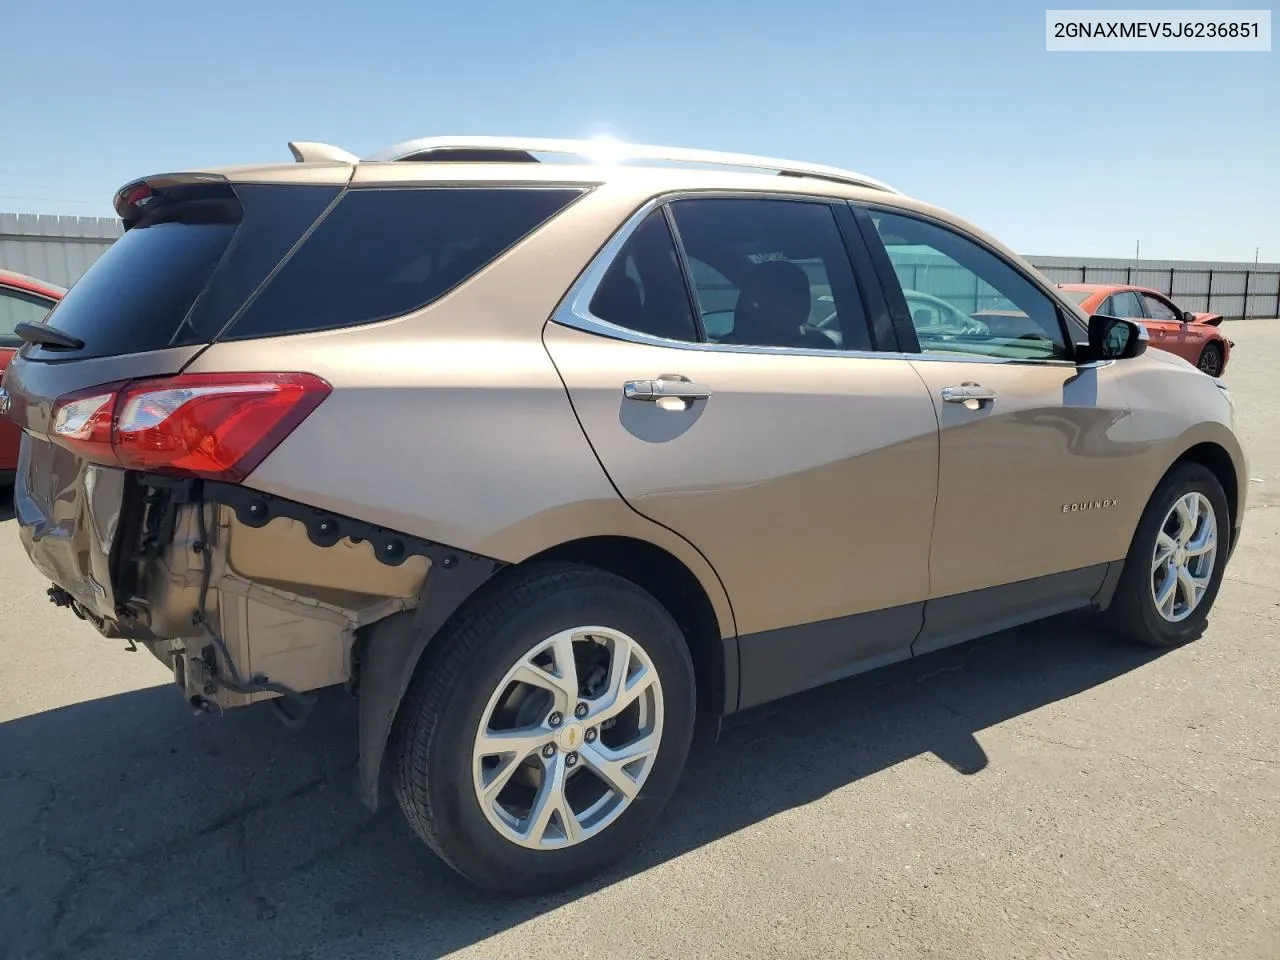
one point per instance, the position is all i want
(311, 151)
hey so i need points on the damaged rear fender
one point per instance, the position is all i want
(389, 652)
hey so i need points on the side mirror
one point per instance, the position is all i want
(1114, 338)
(1188, 316)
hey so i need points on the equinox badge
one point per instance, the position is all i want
(1088, 505)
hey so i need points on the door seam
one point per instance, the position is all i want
(542, 336)
(937, 492)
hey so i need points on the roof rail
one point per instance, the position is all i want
(309, 151)
(519, 149)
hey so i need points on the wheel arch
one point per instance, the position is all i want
(1215, 458)
(668, 580)
(387, 653)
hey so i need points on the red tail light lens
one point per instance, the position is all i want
(214, 425)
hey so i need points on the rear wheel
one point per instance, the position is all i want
(1175, 564)
(1211, 359)
(546, 728)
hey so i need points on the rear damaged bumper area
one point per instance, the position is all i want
(245, 596)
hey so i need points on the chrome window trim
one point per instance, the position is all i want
(574, 310)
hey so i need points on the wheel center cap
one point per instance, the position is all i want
(570, 736)
(1179, 557)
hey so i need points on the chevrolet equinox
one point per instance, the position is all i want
(544, 449)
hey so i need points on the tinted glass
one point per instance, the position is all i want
(643, 289)
(180, 274)
(275, 217)
(382, 253)
(135, 296)
(1125, 304)
(1158, 309)
(965, 299)
(771, 273)
(16, 308)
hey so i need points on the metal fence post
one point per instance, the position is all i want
(1171, 272)
(1128, 276)
(1244, 307)
(1208, 300)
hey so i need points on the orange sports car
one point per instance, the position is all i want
(1193, 336)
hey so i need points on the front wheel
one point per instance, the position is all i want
(1176, 560)
(546, 728)
(1211, 359)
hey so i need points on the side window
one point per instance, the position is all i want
(16, 308)
(771, 273)
(1158, 309)
(384, 252)
(965, 299)
(643, 289)
(1125, 303)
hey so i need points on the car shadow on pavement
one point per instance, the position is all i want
(130, 828)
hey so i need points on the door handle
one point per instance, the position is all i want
(666, 386)
(969, 392)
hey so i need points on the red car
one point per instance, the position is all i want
(1193, 336)
(21, 298)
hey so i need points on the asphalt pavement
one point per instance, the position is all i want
(1045, 792)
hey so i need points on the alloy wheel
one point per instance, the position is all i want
(568, 738)
(1185, 552)
(1211, 361)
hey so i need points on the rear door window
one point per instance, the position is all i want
(383, 252)
(771, 273)
(1125, 303)
(1157, 309)
(643, 289)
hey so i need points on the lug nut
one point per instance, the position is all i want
(580, 711)
(549, 750)
(590, 736)
(571, 760)
(555, 719)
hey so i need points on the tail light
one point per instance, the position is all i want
(219, 426)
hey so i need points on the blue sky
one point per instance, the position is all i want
(956, 103)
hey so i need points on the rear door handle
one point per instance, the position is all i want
(665, 386)
(968, 392)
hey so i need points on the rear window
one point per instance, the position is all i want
(135, 295)
(178, 275)
(382, 253)
(1079, 296)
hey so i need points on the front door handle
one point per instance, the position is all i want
(666, 386)
(971, 394)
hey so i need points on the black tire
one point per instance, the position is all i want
(1211, 359)
(1133, 612)
(438, 719)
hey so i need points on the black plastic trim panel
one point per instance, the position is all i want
(324, 529)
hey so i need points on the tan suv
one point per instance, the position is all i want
(544, 460)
